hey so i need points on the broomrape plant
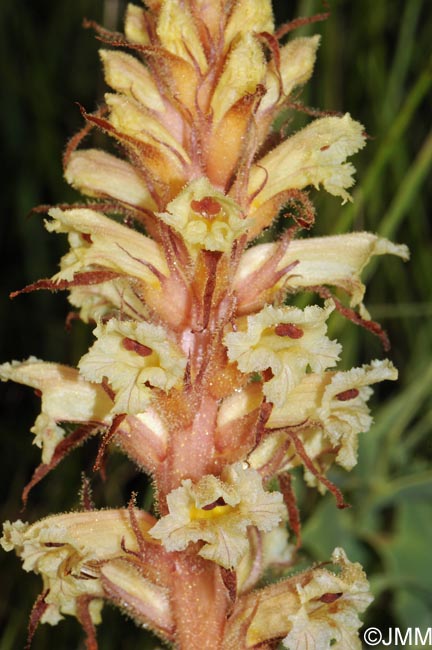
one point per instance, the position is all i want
(203, 370)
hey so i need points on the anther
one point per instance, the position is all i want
(207, 207)
(290, 330)
(346, 395)
(138, 348)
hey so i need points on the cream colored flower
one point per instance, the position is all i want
(343, 411)
(205, 217)
(136, 25)
(100, 174)
(314, 156)
(249, 17)
(98, 242)
(68, 550)
(244, 70)
(148, 603)
(331, 409)
(337, 260)
(125, 74)
(288, 341)
(218, 511)
(178, 34)
(114, 297)
(314, 609)
(297, 60)
(129, 117)
(66, 397)
(134, 357)
(329, 607)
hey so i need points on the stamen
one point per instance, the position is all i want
(288, 329)
(330, 598)
(218, 502)
(211, 510)
(207, 207)
(138, 348)
(346, 395)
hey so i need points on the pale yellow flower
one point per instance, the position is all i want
(218, 511)
(98, 242)
(343, 411)
(134, 357)
(100, 174)
(67, 551)
(244, 70)
(315, 609)
(329, 607)
(66, 397)
(205, 217)
(314, 156)
(129, 117)
(288, 341)
(331, 409)
(125, 74)
(249, 16)
(337, 260)
(178, 34)
(136, 25)
(297, 60)
(114, 297)
(148, 603)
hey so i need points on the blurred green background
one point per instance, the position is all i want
(374, 62)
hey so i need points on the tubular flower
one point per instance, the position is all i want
(330, 411)
(100, 174)
(218, 512)
(329, 608)
(202, 370)
(316, 155)
(66, 397)
(69, 551)
(314, 609)
(336, 261)
(288, 341)
(99, 242)
(134, 357)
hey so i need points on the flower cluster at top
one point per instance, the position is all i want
(203, 371)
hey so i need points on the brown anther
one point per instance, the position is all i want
(37, 392)
(87, 237)
(325, 147)
(138, 348)
(214, 504)
(207, 207)
(267, 374)
(346, 395)
(288, 329)
(330, 598)
(53, 544)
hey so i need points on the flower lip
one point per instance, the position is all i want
(218, 511)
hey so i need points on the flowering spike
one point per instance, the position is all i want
(203, 371)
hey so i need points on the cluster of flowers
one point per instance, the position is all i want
(201, 371)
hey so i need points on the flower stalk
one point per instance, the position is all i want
(203, 370)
